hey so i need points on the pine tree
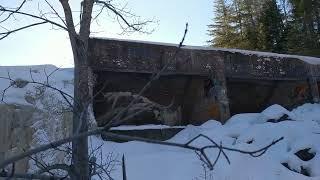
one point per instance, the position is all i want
(250, 12)
(223, 30)
(304, 34)
(271, 28)
(236, 24)
(292, 27)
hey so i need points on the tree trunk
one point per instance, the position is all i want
(80, 146)
(82, 86)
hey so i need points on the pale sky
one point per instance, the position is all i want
(44, 45)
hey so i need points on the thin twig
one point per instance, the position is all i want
(6, 34)
(17, 9)
(33, 16)
(32, 176)
(56, 13)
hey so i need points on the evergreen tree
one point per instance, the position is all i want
(292, 27)
(271, 28)
(235, 24)
(250, 11)
(304, 32)
(224, 30)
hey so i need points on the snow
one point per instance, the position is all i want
(249, 131)
(307, 59)
(158, 162)
(275, 112)
(50, 122)
(62, 79)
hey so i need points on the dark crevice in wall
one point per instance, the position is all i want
(268, 96)
(250, 96)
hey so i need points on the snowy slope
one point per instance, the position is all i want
(244, 131)
(61, 79)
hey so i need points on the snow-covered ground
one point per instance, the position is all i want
(300, 129)
(243, 131)
(59, 78)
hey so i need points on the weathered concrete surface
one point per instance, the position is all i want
(186, 93)
(128, 65)
(15, 132)
(20, 125)
(145, 57)
(155, 134)
(254, 96)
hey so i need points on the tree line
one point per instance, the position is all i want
(281, 26)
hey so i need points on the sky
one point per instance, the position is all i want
(47, 45)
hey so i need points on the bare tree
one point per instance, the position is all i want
(83, 95)
(83, 77)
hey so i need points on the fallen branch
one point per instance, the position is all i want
(31, 176)
(199, 150)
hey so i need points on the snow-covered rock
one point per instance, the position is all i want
(32, 114)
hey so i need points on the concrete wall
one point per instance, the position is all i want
(254, 96)
(23, 127)
(190, 103)
(190, 100)
(249, 81)
(15, 132)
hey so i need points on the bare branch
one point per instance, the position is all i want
(105, 167)
(63, 167)
(98, 14)
(66, 95)
(40, 164)
(120, 17)
(48, 146)
(56, 13)
(50, 74)
(126, 138)
(24, 1)
(5, 34)
(2, 9)
(201, 150)
(30, 176)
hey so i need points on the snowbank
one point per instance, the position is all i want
(60, 79)
(301, 130)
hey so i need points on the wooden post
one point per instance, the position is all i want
(313, 84)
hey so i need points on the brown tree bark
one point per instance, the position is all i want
(82, 85)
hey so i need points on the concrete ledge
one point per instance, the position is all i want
(156, 134)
